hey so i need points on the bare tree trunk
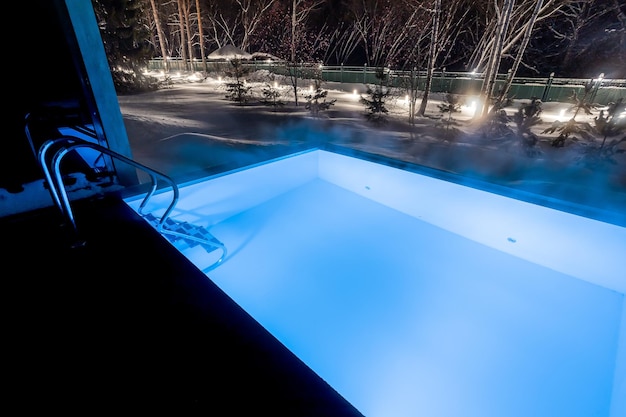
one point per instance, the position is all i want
(181, 28)
(160, 34)
(189, 36)
(294, 22)
(489, 81)
(201, 35)
(521, 50)
(298, 16)
(432, 57)
(294, 69)
(412, 96)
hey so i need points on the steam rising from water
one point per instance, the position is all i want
(191, 131)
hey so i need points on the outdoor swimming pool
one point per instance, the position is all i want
(411, 295)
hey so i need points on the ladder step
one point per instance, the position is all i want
(190, 234)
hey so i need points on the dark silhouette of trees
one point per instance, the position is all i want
(528, 37)
(126, 37)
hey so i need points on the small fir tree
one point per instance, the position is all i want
(583, 103)
(525, 119)
(608, 125)
(238, 91)
(451, 104)
(272, 96)
(316, 101)
(614, 123)
(495, 125)
(572, 130)
(375, 107)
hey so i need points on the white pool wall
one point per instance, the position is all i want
(578, 246)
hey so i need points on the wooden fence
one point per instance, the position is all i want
(547, 89)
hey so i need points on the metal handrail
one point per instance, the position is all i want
(59, 193)
(57, 187)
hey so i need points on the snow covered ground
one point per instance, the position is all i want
(190, 127)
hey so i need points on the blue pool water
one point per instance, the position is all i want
(407, 303)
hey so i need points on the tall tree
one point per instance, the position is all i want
(300, 11)
(201, 36)
(182, 32)
(416, 52)
(489, 81)
(432, 55)
(160, 34)
(186, 16)
(520, 51)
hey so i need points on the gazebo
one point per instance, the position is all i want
(227, 52)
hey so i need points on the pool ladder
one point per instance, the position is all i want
(175, 231)
(189, 234)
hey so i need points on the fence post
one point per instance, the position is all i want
(597, 86)
(341, 74)
(546, 90)
(365, 73)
